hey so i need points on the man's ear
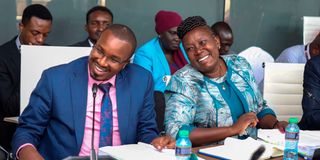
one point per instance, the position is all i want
(21, 26)
(86, 27)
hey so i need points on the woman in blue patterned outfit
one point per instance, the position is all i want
(214, 97)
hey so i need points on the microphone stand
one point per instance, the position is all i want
(93, 155)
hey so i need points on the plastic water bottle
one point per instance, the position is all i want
(292, 139)
(183, 146)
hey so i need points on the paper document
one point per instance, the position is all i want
(274, 136)
(311, 27)
(141, 151)
(308, 140)
(240, 149)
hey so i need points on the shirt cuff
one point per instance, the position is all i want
(27, 144)
(265, 112)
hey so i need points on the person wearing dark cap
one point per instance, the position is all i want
(214, 97)
(98, 18)
(162, 56)
(34, 28)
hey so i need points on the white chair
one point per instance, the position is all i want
(256, 58)
(35, 59)
(283, 89)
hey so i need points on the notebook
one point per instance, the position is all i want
(241, 149)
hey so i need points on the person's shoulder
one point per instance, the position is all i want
(9, 46)
(235, 61)
(187, 74)
(149, 44)
(292, 49)
(314, 61)
(234, 58)
(84, 43)
(134, 69)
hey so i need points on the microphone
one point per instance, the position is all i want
(257, 154)
(93, 155)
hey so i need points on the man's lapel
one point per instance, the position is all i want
(123, 104)
(79, 84)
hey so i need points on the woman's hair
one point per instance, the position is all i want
(189, 24)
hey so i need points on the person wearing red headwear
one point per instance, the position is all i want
(162, 56)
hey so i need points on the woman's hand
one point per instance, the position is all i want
(244, 121)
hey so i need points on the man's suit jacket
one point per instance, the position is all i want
(10, 59)
(311, 95)
(54, 119)
(84, 43)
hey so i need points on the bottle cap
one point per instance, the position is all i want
(293, 120)
(183, 133)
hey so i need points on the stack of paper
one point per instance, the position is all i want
(307, 139)
(240, 149)
(139, 151)
(274, 136)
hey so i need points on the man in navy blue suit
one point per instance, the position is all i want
(311, 94)
(58, 119)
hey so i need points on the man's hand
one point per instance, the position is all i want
(29, 152)
(163, 142)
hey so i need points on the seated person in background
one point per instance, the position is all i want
(98, 19)
(224, 32)
(311, 95)
(34, 28)
(300, 53)
(58, 119)
(214, 97)
(163, 55)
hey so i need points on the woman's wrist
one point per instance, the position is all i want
(275, 124)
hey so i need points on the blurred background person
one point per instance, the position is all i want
(98, 19)
(34, 28)
(224, 32)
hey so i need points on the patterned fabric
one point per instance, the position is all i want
(192, 101)
(106, 117)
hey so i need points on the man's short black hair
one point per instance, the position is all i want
(98, 8)
(221, 26)
(35, 10)
(124, 33)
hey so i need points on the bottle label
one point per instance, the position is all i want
(183, 151)
(292, 135)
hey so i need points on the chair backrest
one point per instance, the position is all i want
(35, 59)
(256, 58)
(283, 89)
